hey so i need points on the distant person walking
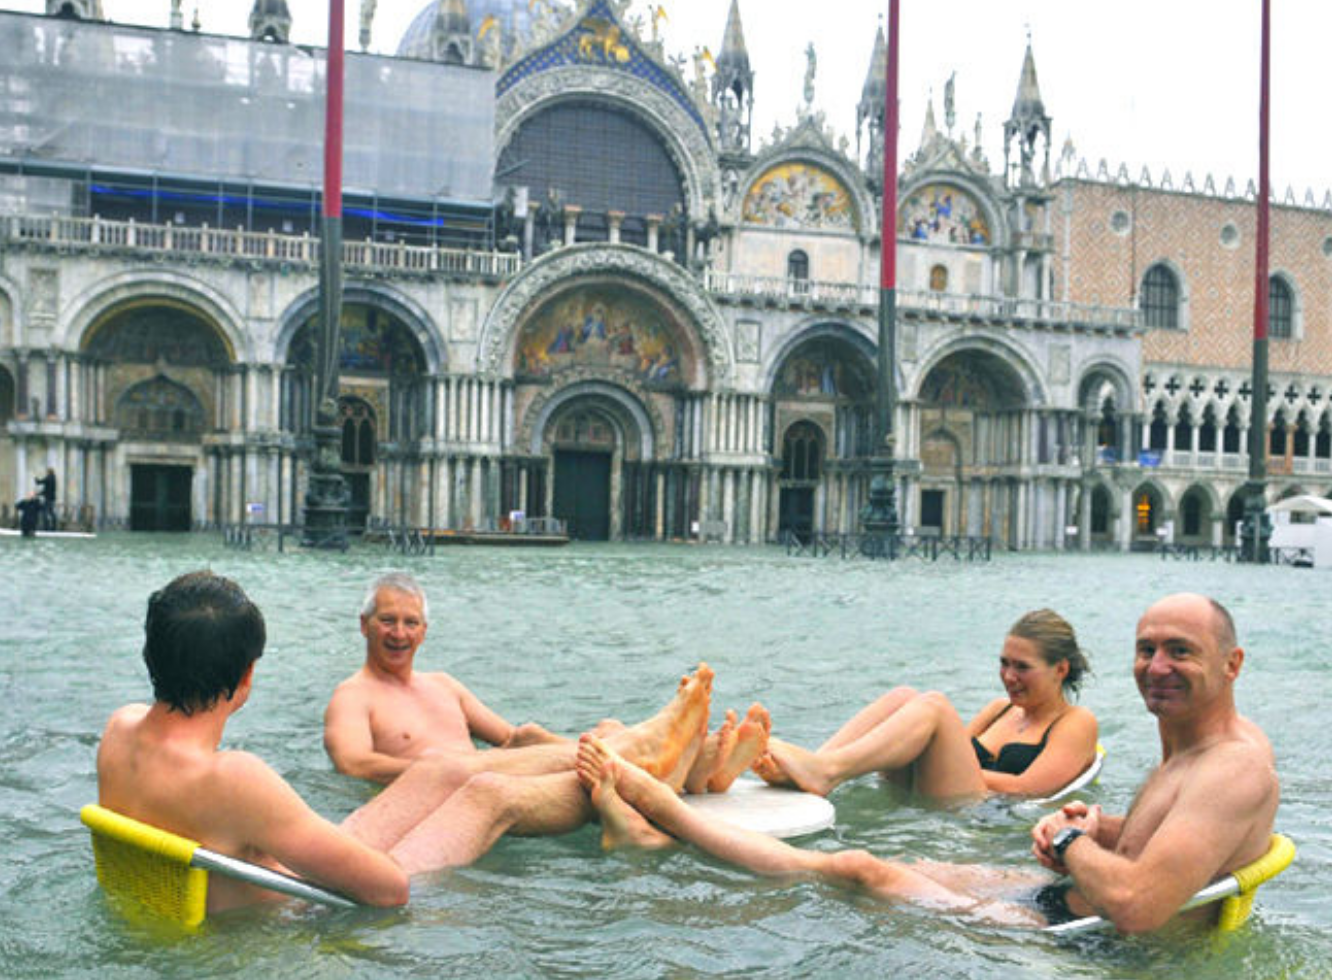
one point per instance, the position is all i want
(48, 488)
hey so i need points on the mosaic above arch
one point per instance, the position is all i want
(799, 195)
(824, 368)
(154, 334)
(944, 213)
(599, 326)
(373, 341)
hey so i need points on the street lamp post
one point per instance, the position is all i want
(879, 516)
(326, 496)
(1256, 528)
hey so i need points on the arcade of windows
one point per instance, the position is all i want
(1161, 296)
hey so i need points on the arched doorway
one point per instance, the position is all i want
(1194, 525)
(971, 407)
(802, 466)
(166, 368)
(823, 414)
(1148, 516)
(1102, 517)
(594, 442)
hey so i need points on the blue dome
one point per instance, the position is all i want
(514, 17)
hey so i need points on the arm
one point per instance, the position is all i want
(350, 743)
(261, 812)
(1070, 749)
(985, 717)
(483, 723)
(1214, 813)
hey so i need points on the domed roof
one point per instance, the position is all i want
(514, 17)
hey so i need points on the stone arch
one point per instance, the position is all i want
(1102, 509)
(1162, 508)
(863, 214)
(406, 309)
(96, 306)
(1209, 506)
(688, 145)
(837, 330)
(160, 408)
(666, 284)
(635, 403)
(11, 315)
(991, 212)
(1023, 371)
(1096, 376)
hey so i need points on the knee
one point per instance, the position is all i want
(855, 867)
(936, 700)
(490, 792)
(898, 695)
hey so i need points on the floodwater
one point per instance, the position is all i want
(568, 636)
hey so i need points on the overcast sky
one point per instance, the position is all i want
(1161, 83)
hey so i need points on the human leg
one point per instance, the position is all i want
(870, 716)
(751, 741)
(926, 733)
(466, 823)
(767, 856)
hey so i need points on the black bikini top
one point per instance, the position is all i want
(1014, 758)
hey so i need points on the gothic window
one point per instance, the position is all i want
(1301, 436)
(1144, 512)
(160, 409)
(939, 279)
(1230, 435)
(1276, 439)
(1280, 310)
(358, 432)
(802, 452)
(1184, 429)
(1323, 441)
(1157, 434)
(1160, 298)
(1207, 431)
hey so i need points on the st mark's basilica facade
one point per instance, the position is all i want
(577, 284)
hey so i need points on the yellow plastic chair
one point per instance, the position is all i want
(1235, 891)
(168, 874)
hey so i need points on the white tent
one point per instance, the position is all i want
(1305, 503)
(1302, 526)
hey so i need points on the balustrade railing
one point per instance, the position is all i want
(821, 293)
(57, 231)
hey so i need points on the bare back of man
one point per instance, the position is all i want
(152, 769)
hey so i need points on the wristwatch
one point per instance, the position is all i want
(1063, 839)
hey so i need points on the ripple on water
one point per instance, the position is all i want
(569, 636)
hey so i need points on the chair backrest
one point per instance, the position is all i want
(146, 866)
(1080, 782)
(1236, 908)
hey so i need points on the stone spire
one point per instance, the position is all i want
(733, 87)
(75, 9)
(270, 20)
(1029, 125)
(451, 33)
(872, 110)
(929, 132)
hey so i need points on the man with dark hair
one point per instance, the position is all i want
(161, 764)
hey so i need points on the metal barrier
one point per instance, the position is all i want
(888, 547)
(1197, 552)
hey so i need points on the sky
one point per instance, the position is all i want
(1165, 84)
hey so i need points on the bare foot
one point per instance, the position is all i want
(802, 766)
(638, 789)
(621, 824)
(710, 756)
(751, 741)
(607, 727)
(657, 744)
(677, 776)
(770, 772)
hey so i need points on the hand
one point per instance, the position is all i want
(1075, 814)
